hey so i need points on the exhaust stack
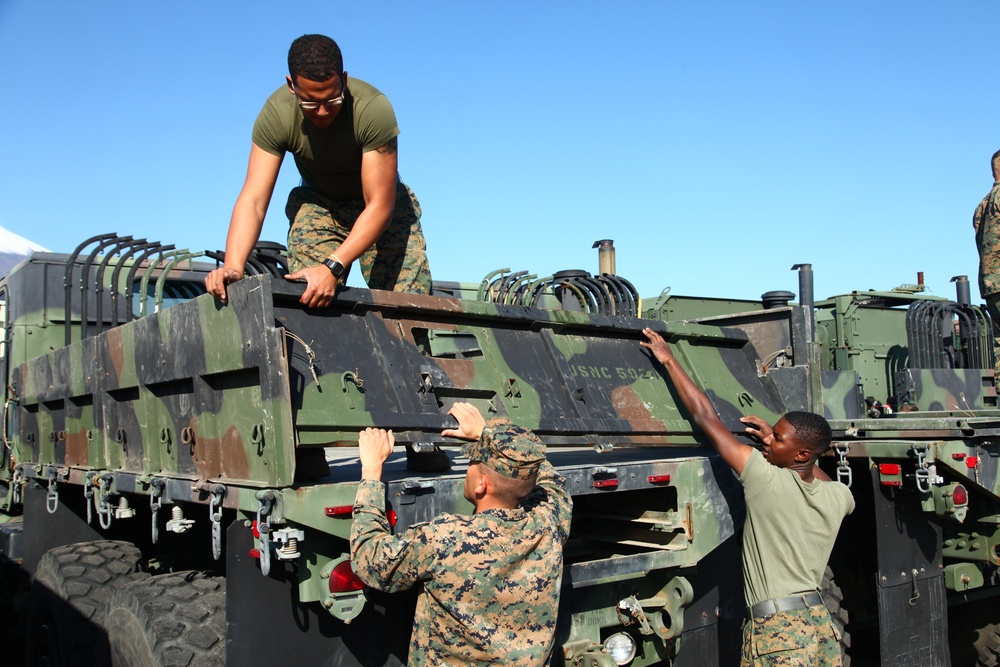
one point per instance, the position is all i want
(963, 291)
(605, 256)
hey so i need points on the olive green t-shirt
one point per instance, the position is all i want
(789, 531)
(329, 159)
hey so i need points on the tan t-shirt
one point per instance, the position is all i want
(329, 159)
(789, 530)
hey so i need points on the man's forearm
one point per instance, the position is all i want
(693, 398)
(380, 559)
(366, 231)
(244, 231)
(558, 499)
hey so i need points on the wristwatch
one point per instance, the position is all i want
(336, 268)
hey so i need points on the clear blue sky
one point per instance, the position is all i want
(717, 143)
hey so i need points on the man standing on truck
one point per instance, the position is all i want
(490, 580)
(350, 204)
(986, 222)
(792, 520)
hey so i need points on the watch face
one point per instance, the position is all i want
(336, 268)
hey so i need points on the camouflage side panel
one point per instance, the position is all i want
(842, 395)
(580, 379)
(197, 390)
(947, 389)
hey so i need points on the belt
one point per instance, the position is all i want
(768, 607)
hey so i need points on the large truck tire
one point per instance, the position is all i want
(974, 633)
(69, 601)
(834, 599)
(175, 620)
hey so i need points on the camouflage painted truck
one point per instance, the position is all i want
(151, 439)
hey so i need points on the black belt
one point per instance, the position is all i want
(768, 607)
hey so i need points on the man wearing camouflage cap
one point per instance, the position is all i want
(490, 580)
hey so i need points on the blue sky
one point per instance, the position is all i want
(717, 143)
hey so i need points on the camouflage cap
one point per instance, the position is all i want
(509, 449)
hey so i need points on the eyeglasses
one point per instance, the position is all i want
(312, 106)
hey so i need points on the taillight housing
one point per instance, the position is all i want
(890, 474)
(951, 500)
(343, 579)
(343, 593)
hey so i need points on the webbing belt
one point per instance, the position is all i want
(768, 607)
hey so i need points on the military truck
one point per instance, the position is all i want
(152, 483)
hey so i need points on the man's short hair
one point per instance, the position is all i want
(812, 430)
(315, 58)
(511, 491)
(995, 163)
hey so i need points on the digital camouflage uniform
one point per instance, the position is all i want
(397, 261)
(986, 222)
(794, 638)
(491, 580)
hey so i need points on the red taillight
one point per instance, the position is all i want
(959, 496)
(659, 479)
(959, 456)
(606, 483)
(343, 579)
(889, 468)
(972, 462)
(340, 510)
(391, 517)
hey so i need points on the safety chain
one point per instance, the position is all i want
(215, 515)
(88, 494)
(156, 486)
(52, 496)
(265, 505)
(104, 512)
(844, 473)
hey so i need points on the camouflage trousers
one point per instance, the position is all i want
(993, 306)
(799, 638)
(397, 261)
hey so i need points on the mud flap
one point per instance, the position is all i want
(912, 607)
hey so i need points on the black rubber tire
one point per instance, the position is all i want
(834, 599)
(974, 633)
(171, 620)
(69, 601)
(987, 644)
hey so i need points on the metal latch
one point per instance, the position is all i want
(411, 488)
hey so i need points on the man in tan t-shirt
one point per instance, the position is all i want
(794, 513)
(350, 205)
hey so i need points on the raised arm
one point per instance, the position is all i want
(702, 412)
(247, 219)
(382, 560)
